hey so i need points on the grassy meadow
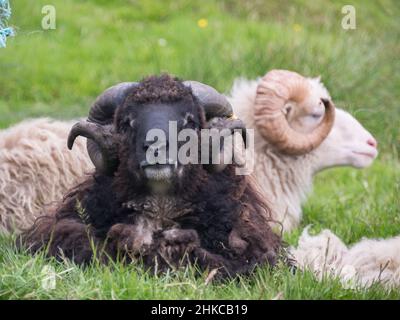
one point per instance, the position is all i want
(98, 43)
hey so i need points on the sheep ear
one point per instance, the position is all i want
(317, 79)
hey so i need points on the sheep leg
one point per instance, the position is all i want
(67, 238)
(179, 247)
(176, 245)
(208, 260)
(249, 249)
(132, 240)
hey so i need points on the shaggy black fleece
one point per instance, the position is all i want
(220, 222)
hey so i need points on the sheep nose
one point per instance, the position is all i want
(372, 142)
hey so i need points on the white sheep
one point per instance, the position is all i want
(285, 168)
(289, 179)
(36, 168)
(359, 266)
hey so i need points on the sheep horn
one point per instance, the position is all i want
(276, 88)
(98, 128)
(219, 114)
(214, 103)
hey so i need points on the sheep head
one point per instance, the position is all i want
(278, 92)
(347, 144)
(122, 117)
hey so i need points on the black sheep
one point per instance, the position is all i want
(166, 215)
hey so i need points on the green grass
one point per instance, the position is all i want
(99, 43)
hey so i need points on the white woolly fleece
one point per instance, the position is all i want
(36, 169)
(359, 266)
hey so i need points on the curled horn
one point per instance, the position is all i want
(216, 105)
(98, 128)
(219, 114)
(276, 88)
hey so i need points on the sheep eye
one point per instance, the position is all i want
(316, 115)
(132, 123)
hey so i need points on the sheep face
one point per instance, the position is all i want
(150, 131)
(147, 133)
(349, 143)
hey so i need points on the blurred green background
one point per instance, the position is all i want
(98, 43)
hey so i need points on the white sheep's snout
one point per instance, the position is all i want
(370, 148)
(348, 144)
(363, 147)
(372, 142)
